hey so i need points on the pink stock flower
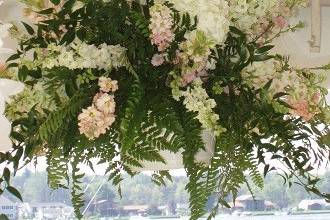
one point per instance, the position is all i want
(280, 22)
(161, 27)
(105, 103)
(316, 97)
(88, 122)
(107, 84)
(97, 119)
(188, 78)
(157, 60)
(301, 108)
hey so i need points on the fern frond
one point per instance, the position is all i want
(57, 168)
(132, 113)
(76, 189)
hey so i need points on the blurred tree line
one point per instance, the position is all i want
(140, 190)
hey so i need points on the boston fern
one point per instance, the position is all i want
(123, 81)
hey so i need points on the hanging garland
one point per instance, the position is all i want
(120, 81)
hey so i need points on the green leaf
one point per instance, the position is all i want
(46, 11)
(268, 85)
(23, 73)
(279, 95)
(236, 31)
(6, 175)
(13, 57)
(28, 28)
(262, 57)
(17, 158)
(68, 37)
(11, 65)
(3, 217)
(285, 104)
(265, 49)
(14, 192)
(55, 2)
(326, 139)
(17, 136)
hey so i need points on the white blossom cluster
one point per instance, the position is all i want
(247, 13)
(32, 97)
(79, 55)
(197, 100)
(213, 16)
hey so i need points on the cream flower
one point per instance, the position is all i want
(107, 84)
(212, 15)
(79, 55)
(106, 103)
(93, 123)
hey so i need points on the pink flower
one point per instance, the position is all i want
(157, 60)
(280, 22)
(161, 26)
(105, 103)
(93, 123)
(107, 84)
(188, 78)
(301, 108)
(88, 123)
(316, 97)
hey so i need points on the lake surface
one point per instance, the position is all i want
(286, 217)
(273, 217)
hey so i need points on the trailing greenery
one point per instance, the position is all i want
(148, 119)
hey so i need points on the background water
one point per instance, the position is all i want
(288, 217)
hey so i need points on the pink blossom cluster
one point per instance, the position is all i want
(303, 107)
(190, 77)
(283, 12)
(271, 23)
(161, 26)
(97, 119)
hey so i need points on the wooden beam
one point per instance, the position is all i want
(322, 2)
(325, 2)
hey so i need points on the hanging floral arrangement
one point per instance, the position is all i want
(123, 82)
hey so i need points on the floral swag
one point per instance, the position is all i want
(120, 81)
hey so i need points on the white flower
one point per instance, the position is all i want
(7, 89)
(213, 16)
(79, 55)
(197, 100)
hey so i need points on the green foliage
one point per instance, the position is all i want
(57, 169)
(76, 190)
(148, 120)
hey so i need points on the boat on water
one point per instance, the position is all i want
(165, 217)
(281, 213)
(138, 217)
(246, 214)
(237, 213)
